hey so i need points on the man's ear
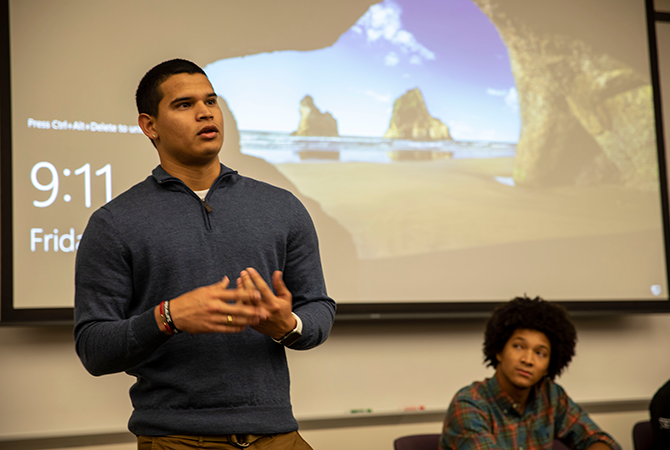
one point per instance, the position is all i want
(498, 357)
(147, 123)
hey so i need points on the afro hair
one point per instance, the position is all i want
(531, 314)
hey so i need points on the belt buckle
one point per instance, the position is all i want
(234, 439)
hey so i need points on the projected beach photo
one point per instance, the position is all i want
(431, 127)
(447, 150)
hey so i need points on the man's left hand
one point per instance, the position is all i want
(277, 319)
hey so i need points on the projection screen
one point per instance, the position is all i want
(452, 153)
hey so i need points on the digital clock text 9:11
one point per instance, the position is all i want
(54, 184)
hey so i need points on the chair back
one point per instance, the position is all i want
(643, 437)
(418, 442)
(558, 445)
(432, 442)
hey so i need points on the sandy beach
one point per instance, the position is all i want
(409, 208)
(458, 234)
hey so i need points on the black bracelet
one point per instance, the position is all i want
(168, 318)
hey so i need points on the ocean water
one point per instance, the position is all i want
(278, 148)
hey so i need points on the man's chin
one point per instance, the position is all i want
(523, 384)
(206, 156)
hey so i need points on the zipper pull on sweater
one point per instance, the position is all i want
(207, 207)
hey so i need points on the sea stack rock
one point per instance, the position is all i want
(313, 122)
(411, 120)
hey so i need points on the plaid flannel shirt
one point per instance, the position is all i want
(482, 416)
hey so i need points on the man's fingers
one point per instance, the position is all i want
(247, 281)
(234, 320)
(236, 315)
(224, 282)
(238, 309)
(278, 284)
(252, 287)
(260, 283)
(222, 292)
(246, 290)
(220, 289)
(217, 308)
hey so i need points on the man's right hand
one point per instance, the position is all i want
(213, 309)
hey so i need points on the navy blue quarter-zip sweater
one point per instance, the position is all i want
(159, 240)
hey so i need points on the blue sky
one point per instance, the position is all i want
(446, 48)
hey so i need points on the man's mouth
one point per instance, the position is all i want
(523, 373)
(208, 132)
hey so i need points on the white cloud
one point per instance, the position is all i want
(403, 38)
(382, 21)
(511, 97)
(409, 44)
(392, 59)
(384, 98)
(415, 59)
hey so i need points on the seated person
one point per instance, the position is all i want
(659, 410)
(528, 342)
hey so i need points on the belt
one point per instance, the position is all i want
(237, 440)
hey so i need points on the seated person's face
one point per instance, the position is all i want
(524, 360)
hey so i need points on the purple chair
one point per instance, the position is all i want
(558, 445)
(418, 442)
(432, 442)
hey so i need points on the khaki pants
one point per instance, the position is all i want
(286, 441)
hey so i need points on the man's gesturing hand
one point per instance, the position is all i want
(214, 309)
(276, 316)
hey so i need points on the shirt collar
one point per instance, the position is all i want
(506, 402)
(162, 176)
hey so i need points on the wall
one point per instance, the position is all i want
(383, 366)
(621, 361)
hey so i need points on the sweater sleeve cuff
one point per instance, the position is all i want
(145, 330)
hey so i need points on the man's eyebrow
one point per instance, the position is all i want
(546, 347)
(190, 98)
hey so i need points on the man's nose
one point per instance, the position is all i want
(528, 357)
(203, 112)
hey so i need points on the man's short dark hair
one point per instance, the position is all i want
(532, 314)
(149, 93)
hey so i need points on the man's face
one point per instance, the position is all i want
(523, 361)
(189, 125)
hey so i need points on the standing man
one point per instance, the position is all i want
(528, 342)
(195, 280)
